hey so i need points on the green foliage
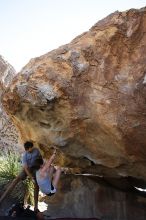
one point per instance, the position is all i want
(29, 198)
(10, 167)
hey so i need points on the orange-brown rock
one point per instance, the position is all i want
(89, 98)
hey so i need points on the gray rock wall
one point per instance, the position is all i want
(9, 138)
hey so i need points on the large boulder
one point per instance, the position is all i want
(88, 98)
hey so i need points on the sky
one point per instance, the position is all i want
(31, 28)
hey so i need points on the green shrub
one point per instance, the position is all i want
(10, 167)
(29, 192)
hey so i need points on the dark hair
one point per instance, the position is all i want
(20, 211)
(28, 144)
(18, 208)
(37, 163)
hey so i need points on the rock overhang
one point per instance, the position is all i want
(88, 98)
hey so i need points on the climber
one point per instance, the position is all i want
(28, 170)
(45, 176)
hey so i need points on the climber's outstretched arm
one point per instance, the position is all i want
(49, 162)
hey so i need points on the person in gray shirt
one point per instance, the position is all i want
(28, 170)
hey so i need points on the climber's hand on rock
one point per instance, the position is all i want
(55, 151)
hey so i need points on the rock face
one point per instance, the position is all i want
(8, 132)
(82, 197)
(88, 98)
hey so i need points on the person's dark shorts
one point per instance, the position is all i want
(53, 191)
(23, 175)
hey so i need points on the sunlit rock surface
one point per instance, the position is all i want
(89, 98)
(8, 133)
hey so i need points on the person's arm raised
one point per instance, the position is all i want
(49, 162)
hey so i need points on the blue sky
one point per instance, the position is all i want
(30, 28)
